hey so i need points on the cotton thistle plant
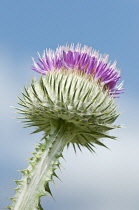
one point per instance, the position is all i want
(73, 103)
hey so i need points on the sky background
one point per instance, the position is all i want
(109, 179)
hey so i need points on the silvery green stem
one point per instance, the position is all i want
(34, 182)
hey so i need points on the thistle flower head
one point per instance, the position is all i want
(84, 60)
(78, 89)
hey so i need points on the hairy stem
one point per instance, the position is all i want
(35, 180)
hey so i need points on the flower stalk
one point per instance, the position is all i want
(35, 180)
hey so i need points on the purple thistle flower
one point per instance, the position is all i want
(84, 60)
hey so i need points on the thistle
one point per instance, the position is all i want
(73, 103)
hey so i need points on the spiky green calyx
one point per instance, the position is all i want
(75, 99)
(69, 108)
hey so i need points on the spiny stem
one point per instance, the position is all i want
(35, 180)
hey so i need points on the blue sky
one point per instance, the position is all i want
(104, 181)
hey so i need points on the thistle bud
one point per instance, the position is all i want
(78, 88)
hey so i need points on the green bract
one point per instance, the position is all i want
(77, 100)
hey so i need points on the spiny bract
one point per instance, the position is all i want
(73, 98)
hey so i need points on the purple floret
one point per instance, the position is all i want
(83, 59)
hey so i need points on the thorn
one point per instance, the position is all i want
(47, 188)
(18, 182)
(12, 199)
(8, 207)
(23, 171)
(16, 189)
(32, 164)
(54, 174)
